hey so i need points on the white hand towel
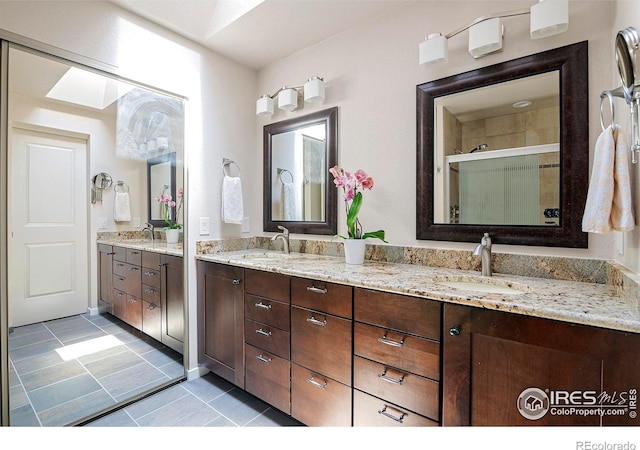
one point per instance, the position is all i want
(121, 207)
(232, 205)
(288, 199)
(609, 205)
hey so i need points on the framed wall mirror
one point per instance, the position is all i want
(505, 150)
(161, 179)
(297, 156)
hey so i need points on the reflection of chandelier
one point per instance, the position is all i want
(148, 124)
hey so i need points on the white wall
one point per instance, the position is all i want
(371, 74)
(627, 14)
(219, 110)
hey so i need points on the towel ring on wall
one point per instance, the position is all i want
(121, 187)
(608, 95)
(281, 171)
(226, 164)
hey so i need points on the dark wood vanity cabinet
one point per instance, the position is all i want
(172, 301)
(267, 309)
(496, 364)
(321, 352)
(221, 320)
(396, 360)
(105, 277)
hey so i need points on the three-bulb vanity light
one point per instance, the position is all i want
(289, 97)
(548, 17)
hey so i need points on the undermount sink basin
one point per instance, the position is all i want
(489, 285)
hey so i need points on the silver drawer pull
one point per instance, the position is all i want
(391, 342)
(322, 385)
(120, 265)
(263, 333)
(389, 379)
(150, 274)
(261, 358)
(151, 307)
(384, 412)
(315, 321)
(316, 290)
(236, 281)
(149, 291)
(120, 278)
(262, 305)
(134, 269)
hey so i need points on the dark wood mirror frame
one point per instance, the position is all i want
(330, 224)
(572, 63)
(151, 197)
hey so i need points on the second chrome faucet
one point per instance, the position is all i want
(484, 251)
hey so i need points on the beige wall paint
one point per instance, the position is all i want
(371, 74)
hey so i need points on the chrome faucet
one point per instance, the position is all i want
(284, 236)
(484, 251)
(150, 229)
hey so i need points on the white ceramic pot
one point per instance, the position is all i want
(173, 235)
(354, 250)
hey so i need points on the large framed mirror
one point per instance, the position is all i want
(297, 156)
(161, 179)
(504, 150)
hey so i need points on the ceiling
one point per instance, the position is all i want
(255, 33)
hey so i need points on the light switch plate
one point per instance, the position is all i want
(103, 222)
(204, 226)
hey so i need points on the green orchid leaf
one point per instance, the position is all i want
(352, 215)
(379, 234)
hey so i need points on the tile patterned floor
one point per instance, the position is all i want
(46, 390)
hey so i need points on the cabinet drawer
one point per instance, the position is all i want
(322, 343)
(134, 312)
(151, 294)
(416, 393)
(319, 401)
(129, 284)
(134, 256)
(150, 277)
(268, 377)
(267, 311)
(329, 298)
(404, 351)
(399, 312)
(119, 307)
(268, 338)
(119, 253)
(152, 320)
(150, 260)
(122, 268)
(267, 284)
(369, 411)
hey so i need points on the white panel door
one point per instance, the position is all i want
(48, 261)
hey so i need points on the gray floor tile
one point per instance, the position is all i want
(115, 419)
(37, 362)
(23, 417)
(13, 377)
(53, 374)
(114, 363)
(142, 346)
(132, 380)
(97, 356)
(17, 397)
(273, 418)
(187, 411)
(221, 421)
(208, 387)
(156, 401)
(31, 338)
(62, 392)
(80, 334)
(173, 370)
(30, 351)
(26, 329)
(65, 323)
(76, 409)
(239, 406)
(160, 357)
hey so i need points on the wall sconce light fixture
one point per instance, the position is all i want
(548, 17)
(290, 97)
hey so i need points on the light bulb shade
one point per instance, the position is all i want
(264, 106)
(314, 90)
(549, 17)
(288, 99)
(485, 37)
(434, 49)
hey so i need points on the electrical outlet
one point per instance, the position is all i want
(204, 226)
(103, 222)
(246, 225)
(136, 222)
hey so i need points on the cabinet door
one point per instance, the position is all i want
(134, 312)
(152, 320)
(172, 302)
(105, 271)
(221, 320)
(502, 369)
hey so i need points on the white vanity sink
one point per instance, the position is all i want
(490, 285)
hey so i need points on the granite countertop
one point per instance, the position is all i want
(592, 304)
(157, 246)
